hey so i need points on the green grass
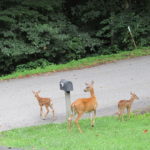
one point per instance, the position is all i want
(108, 134)
(76, 64)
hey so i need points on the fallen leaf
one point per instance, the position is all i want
(145, 131)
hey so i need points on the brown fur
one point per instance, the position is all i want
(126, 104)
(47, 102)
(83, 105)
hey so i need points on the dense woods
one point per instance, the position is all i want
(41, 32)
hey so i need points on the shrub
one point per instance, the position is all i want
(33, 65)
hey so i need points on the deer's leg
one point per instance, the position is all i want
(77, 121)
(41, 111)
(70, 122)
(93, 118)
(121, 114)
(46, 112)
(128, 111)
(52, 111)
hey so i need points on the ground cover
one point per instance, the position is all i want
(108, 134)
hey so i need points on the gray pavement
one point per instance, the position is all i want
(113, 81)
(8, 148)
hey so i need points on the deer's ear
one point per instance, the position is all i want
(33, 92)
(131, 93)
(86, 84)
(92, 82)
(39, 91)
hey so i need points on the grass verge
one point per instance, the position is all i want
(108, 134)
(82, 63)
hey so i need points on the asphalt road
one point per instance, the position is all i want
(113, 81)
(8, 148)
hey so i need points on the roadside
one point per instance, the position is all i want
(79, 64)
(8, 148)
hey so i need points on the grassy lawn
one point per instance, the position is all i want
(82, 63)
(108, 134)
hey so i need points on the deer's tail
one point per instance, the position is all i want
(117, 113)
(72, 112)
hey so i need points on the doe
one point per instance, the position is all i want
(126, 104)
(47, 102)
(83, 105)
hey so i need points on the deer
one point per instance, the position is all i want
(84, 105)
(126, 104)
(47, 102)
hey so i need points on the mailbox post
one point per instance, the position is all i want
(67, 86)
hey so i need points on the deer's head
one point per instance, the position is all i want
(36, 94)
(133, 95)
(89, 86)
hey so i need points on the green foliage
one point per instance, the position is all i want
(108, 21)
(64, 30)
(139, 28)
(80, 63)
(5, 22)
(15, 48)
(40, 63)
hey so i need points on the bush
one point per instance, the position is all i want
(33, 65)
(62, 30)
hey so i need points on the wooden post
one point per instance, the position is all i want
(68, 104)
(132, 37)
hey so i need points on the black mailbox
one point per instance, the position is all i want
(65, 85)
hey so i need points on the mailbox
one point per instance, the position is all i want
(65, 85)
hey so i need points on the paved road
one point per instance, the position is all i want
(8, 148)
(113, 81)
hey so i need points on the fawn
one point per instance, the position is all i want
(47, 102)
(126, 104)
(83, 105)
